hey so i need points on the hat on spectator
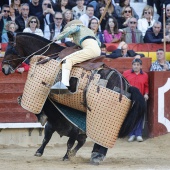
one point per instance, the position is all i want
(137, 60)
(73, 22)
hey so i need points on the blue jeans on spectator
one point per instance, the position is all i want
(137, 131)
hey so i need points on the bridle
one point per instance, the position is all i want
(19, 57)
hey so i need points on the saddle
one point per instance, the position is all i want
(87, 65)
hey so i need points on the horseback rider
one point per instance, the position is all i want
(83, 37)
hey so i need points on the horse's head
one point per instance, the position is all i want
(12, 58)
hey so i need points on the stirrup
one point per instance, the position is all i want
(59, 88)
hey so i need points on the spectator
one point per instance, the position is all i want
(132, 35)
(112, 34)
(93, 26)
(168, 27)
(155, 34)
(33, 26)
(56, 27)
(22, 19)
(147, 20)
(61, 6)
(35, 8)
(122, 4)
(104, 20)
(138, 79)
(122, 51)
(67, 16)
(79, 9)
(12, 14)
(160, 64)
(10, 26)
(46, 18)
(4, 17)
(111, 9)
(157, 5)
(167, 14)
(103, 49)
(85, 18)
(127, 13)
(16, 5)
(71, 4)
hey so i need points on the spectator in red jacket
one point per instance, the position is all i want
(138, 79)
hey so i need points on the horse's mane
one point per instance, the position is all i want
(34, 36)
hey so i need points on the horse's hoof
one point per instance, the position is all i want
(65, 158)
(96, 158)
(71, 153)
(38, 154)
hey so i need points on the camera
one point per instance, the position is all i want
(49, 6)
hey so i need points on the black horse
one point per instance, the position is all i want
(25, 44)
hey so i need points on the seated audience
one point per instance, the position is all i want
(139, 79)
(4, 17)
(16, 5)
(167, 14)
(122, 51)
(168, 27)
(33, 26)
(10, 26)
(46, 18)
(101, 10)
(155, 34)
(103, 49)
(122, 4)
(147, 19)
(22, 19)
(127, 13)
(112, 34)
(85, 18)
(79, 9)
(93, 26)
(56, 27)
(111, 9)
(61, 6)
(12, 14)
(160, 64)
(67, 16)
(35, 8)
(132, 34)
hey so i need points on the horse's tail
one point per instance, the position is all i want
(135, 113)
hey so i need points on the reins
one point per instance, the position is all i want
(26, 58)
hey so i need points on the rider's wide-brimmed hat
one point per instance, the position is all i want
(73, 22)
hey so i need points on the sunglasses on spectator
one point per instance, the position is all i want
(132, 22)
(46, 4)
(33, 21)
(6, 11)
(147, 12)
(127, 11)
(58, 18)
(94, 23)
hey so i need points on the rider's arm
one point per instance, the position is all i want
(68, 31)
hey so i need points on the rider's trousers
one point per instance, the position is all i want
(90, 49)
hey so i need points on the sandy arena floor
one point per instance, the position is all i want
(152, 154)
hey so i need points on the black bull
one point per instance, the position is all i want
(25, 44)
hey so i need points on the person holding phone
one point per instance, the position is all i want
(46, 18)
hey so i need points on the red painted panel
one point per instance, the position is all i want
(15, 117)
(9, 97)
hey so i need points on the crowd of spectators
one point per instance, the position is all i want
(48, 17)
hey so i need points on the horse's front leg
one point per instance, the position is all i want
(81, 141)
(48, 132)
(70, 144)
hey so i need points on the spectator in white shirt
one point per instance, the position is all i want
(147, 20)
(33, 26)
(79, 9)
(85, 18)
